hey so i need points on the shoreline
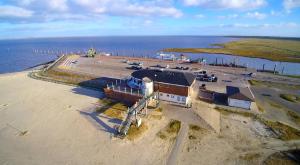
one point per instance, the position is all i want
(270, 49)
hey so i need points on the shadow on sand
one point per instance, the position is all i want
(94, 87)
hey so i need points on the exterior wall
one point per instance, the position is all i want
(173, 98)
(147, 88)
(126, 98)
(239, 103)
(171, 89)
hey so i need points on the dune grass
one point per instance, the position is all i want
(284, 131)
(295, 117)
(290, 97)
(170, 131)
(135, 132)
(271, 49)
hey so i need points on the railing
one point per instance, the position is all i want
(122, 87)
(125, 125)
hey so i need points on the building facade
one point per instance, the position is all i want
(239, 97)
(173, 86)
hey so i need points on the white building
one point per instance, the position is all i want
(239, 97)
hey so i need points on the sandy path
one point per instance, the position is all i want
(182, 134)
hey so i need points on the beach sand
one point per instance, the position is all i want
(48, 123)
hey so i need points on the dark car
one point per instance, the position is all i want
(134, 67)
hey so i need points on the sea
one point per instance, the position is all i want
(21, 54)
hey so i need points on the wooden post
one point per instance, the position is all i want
(263, 67)
(274, 68)
(282, 70)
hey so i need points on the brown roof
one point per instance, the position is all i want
(239, 93)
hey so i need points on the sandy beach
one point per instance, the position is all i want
(48, 123)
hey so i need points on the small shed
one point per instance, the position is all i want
(239, 97)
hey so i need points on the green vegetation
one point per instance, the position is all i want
(295, 117)
(274, 84)
(284, 131)
(254, 82)
(282, 157)
(226, 111)
(160, 109)
(135, 132)
(174, 126)
(116, 111)
(170, 131)
(290, 97)
(250, 156)
(260, 108)
(194, 127)
(274, 104)
(272, 49)
(291, 76)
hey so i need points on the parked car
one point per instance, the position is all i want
(136, 63)
(160, 66)
(134, 67)
(181, 68)
(207, 78)
(200, 73)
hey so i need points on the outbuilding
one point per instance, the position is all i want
(239, 97)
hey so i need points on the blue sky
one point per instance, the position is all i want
(59, 18)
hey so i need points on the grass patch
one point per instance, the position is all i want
(284, 132)
(272, 49)
(260, 109)
(254, 82)
(192, 137)
(273, 104)
(160, 109)
(291, 76)
(295, 117)
(162, 135)
(174, 126)
(194, 127)
(114, 110)
(170, 131)
(157, 117)
(135, 132)
(225, 111)
(290, 97)
(250, 156)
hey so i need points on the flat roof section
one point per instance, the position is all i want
(239, 93)
(166, 76)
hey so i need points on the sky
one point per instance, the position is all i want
(61, 18)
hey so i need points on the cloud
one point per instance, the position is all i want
(45, 10)
(14, 11)
(291, 25)
(227, 4)
(230, 16)
(290, 4)
(199, 16)
(256, 15)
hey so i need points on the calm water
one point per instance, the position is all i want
(17, 55)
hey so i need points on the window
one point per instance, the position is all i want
(161, 94)
(183, 99)
(172, 96)
(168, 95)
(178, 98)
